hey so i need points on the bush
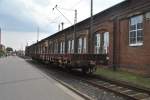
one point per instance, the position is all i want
(2, 53)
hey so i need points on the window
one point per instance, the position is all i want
(97, 44)
(61, 47)
(80, 45)
(51, 47)
(106, 42)
(56, 48)
(72, 46)
(69, 46)
(136, 31)
(147, 16)
(84, 45)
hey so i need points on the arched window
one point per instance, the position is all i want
(82, 45)
(97, 43)
(106, 42)
(69, 46)
(55, 47)
(62, 47)
(101, 44)
(72, 46)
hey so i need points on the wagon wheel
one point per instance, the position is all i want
(68, 68)
(87, 70)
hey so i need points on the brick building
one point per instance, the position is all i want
(132, 36)
(122, 32)
(127, 25)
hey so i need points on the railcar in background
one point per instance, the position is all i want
(69, 52)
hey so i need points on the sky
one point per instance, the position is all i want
(20, 19)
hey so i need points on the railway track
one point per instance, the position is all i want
(125, 91)
(121, 88)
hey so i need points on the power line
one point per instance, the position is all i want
(62, 14)
(76, 4)
(67, 9)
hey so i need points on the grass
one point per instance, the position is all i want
(124, 76)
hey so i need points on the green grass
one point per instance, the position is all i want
(124, 76)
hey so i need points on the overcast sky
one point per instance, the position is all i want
(19, 19)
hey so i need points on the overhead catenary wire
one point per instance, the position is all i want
(76, 4)
(56, 19)
(67, 9)
(62, 14)
(61, 9)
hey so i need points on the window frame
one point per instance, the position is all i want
(69, 46)
(106, 42)
(137, 43)
(62, 49)
(84, 45)
(97, 43)
(80, 44)
(72, 46)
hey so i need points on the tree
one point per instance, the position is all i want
(2, 53)
(9, 49)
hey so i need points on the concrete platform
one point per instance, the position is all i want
(21, 81)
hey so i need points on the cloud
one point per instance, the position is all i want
(19, 18)
(23, 15)
(11, 23)
(18, 40)
(17, 15)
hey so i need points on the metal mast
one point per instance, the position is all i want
(74, 35)
(0, 35)
(91, 8)
(37, 33)
(91, 29)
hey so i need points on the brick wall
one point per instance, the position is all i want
(116, 22)
(135, 59)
